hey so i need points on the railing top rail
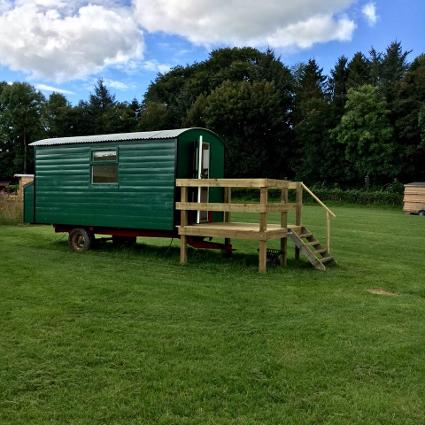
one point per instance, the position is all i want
(318, 200)
(237, 183)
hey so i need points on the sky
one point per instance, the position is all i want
(65, 46)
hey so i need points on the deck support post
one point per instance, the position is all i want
(262, 248)
(298, 212)
(226, 215)
(183, 250)
(284, 224)
(262, 256)
(183, 224)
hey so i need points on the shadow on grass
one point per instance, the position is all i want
(201, 258)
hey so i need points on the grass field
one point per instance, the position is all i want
(131, 337)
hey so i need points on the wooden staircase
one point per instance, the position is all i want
(306, 242)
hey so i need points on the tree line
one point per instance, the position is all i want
(361, 125)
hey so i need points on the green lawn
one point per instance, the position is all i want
(131, 337)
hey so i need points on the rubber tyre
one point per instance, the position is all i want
(80, 240)
(422, 213)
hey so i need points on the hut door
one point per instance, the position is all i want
(203, 172)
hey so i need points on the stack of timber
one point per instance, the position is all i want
(414, 198)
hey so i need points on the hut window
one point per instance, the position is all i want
(104, 166)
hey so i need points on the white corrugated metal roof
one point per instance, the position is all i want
(145, 135)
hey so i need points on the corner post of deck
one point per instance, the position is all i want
(284, 225)
(226, 215)
(262, 251)
(298, 212)
(183, 224)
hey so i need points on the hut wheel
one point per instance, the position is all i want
(80, 240)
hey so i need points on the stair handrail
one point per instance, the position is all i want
(317, 199)
(329, 214)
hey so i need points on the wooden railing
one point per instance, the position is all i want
(328, 212)
(263, 207)
(264, 231)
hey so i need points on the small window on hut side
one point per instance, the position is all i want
(104, 167)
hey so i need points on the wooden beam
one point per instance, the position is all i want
(328, 232)
(183, 224)
(264, 194)
(317, 199)
(249, 208)
(226, 215)
(298, 213)
(183, 250)
(215, 206)
(240, 183)
(284, 225)
(227, 200)
(224, 232)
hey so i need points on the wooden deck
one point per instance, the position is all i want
(261, 231)
(237, 230)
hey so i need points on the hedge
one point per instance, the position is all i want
(351, 196)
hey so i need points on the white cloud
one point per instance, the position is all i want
(45, 87)
(51, 39)
(318, 29)
(369, 12)
(154, 66)
(275, 22)
(116, 84)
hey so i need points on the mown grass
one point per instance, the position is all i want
(131, 337)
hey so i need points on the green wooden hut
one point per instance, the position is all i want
(120, 184)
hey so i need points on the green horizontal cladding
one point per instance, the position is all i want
(143, 198)
(29, 203)
(145, 194)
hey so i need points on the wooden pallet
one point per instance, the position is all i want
(414, 198)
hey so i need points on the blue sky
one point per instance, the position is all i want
(67, 45)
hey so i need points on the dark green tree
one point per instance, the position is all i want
(421, 122)
(393, 67)
(176, 99)
(358, 71)
(249, 118)
(155, 116)
(337, 86)
(406, 106)
(102, 109)
(366, 133)
(311, 119)
(57, 116)
(21, 108)
(333, 164)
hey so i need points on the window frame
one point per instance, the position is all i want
(94, 162)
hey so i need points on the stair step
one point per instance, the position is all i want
(311, 248)
(313, 243)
